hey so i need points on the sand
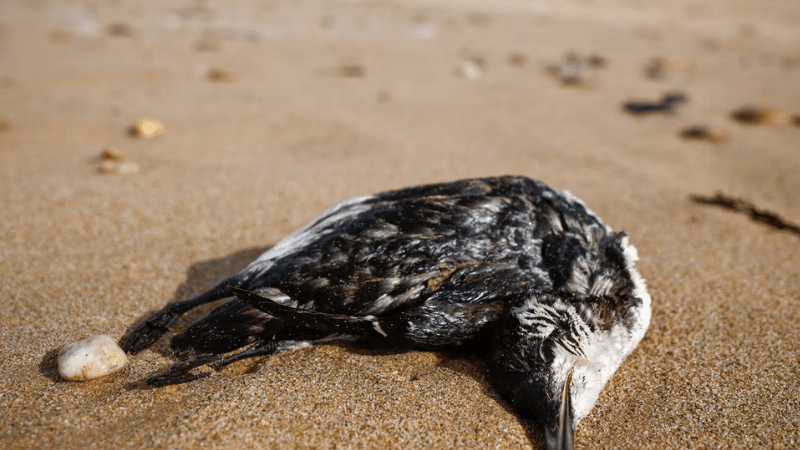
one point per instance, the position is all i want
(273, 111)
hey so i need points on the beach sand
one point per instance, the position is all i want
(274, 111)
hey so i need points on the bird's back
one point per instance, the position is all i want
(379, 254)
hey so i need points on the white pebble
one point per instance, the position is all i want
(469, 69)
(90, 358)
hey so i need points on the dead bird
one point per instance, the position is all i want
(507, 264)
(667, 105)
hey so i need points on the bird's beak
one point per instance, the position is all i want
(560, 435)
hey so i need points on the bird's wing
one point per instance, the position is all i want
(389, 252)
(456, 307)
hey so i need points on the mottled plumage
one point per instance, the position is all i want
(505, 263)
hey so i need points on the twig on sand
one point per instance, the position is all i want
(743, 206)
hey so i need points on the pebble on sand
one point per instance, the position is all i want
(517, 59)
(761, 116)
(112, 154)
(668, 105)
(147, 128)
(596, 61)
(705, 133)
(120, 29)
(4, 126)
(656, 69)
(90, 358)
(113, 161)
(577, 70)
(352, 70)
(221, 75)
(675, 97)
(470, 69)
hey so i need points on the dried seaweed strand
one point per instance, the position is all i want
(743, 206)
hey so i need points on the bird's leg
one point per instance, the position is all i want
(152, 329)
(262, 348)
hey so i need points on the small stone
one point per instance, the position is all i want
(675, 97)
(705, 133)
(761, 116)
(221, 75)
(470, 69)
(120, 29)
(574, 72)
(352, 70)
(517, 59)
(147, 128)
(655, 69)
(596, 61)
(4, 126)
(113, 161)
(641, 108)
(111, 154)
(90, 358)
(668, 105)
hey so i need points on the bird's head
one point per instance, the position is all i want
(551, 365)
